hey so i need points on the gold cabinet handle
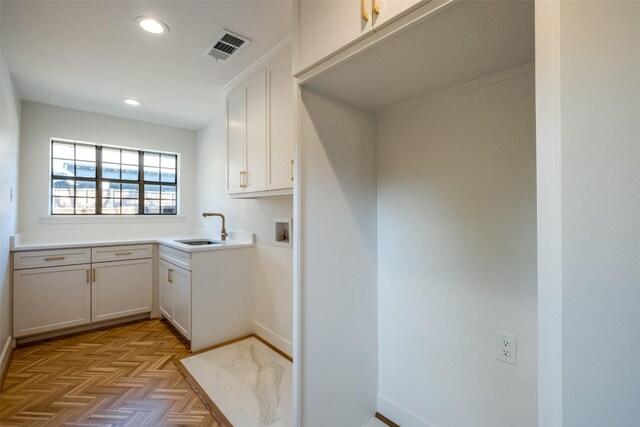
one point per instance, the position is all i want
(170, 275)
(291, 170)
(365, 14)
(94, 274)
(54, 258)
(124, 253)
(88, 275)
(375, 7)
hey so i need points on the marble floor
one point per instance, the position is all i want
(374, 422)
(249, 382)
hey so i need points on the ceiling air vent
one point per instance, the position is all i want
(225, 45)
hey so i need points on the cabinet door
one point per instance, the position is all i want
(256, 127)
(46, 299)
(166, 290)
(393, 9)
(181, 284)
(121, 288)
(280, 122)
(236, 119)
(326, 27)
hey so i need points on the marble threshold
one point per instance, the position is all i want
(248, 382)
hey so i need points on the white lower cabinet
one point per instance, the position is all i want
(121, 288)
(47, 299)
(175, 296)
(77, 292)
(207, 295)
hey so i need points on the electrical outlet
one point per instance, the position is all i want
(507, 348)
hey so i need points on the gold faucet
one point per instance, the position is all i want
(223, 232)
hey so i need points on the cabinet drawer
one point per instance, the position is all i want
(176, 257)
(121, 253)
(52, 258)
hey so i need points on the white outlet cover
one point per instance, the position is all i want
(506, 347)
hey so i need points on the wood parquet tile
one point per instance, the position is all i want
(122, 376)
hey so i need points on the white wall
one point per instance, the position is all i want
(600, 154)
(273, 316)
(337, 353)
(41, 122)
(9, 146)
(457, 258)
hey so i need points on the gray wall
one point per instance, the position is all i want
(9, 148)
(457, 258)
(337, 289)
(600, 69)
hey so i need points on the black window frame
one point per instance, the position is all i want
(98, 179)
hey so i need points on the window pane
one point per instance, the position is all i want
(62, 205)
(110, 206)
(129, 157)
(130, 206)
(86, 189)
(168, 161)
(110, 155)
(86, 169)
(85, 206)
(151, 159)
(168, 206)
(63, 150)
(151, 174)
(152, 206)
(63, 167)
(110, 171)
(86, 152)
(130, 172)
(168, 192)
(63, 188)
(74, 188)
(151, 191)
(130, 191)
(110, 189)
(168, 175)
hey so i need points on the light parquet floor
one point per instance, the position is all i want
(122, 376)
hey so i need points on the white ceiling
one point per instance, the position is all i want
(89, 55)
(469, 40)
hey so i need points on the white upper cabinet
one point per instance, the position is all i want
(236, 119)
(389, 10)
(280, 122)
(255, 176)
(260, 127)
(327, 26)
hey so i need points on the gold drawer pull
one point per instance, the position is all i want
(291, 170)
(375, 7)
(88, 275)
(170, 275)
(54, 258)
(365, 14)
(124, 253)
(94, 274)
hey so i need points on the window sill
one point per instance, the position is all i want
(110, 219)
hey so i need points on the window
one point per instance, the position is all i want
(88, 179)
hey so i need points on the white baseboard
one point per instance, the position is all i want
(273, 338)
(400, 415)
(6, 352)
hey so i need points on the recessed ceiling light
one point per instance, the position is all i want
(152, 25)
(131, 101)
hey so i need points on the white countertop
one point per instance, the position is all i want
(236, 239)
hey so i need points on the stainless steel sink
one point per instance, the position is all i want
(198, 242)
